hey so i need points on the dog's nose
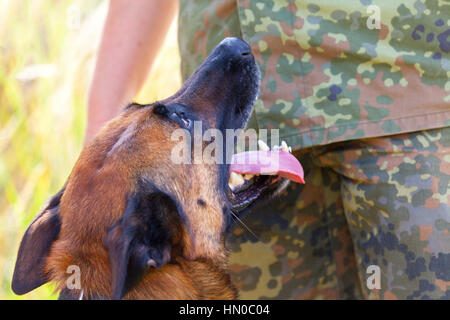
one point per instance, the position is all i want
(236, 47)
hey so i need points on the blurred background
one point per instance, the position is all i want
(47, 55)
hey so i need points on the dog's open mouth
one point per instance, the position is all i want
(261, 174)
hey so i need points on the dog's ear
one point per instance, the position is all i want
(34, 248)
(140, 240)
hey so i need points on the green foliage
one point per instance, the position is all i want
(42, 119)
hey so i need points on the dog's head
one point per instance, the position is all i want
(138, 196)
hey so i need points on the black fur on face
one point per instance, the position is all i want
(143, 238)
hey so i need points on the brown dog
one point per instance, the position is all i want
(137, 225)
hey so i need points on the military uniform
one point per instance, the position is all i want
(365, 103)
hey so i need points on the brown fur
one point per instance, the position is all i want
(95, 198)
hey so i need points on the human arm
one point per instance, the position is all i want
(132, 36)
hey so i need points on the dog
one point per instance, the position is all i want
(137, 225)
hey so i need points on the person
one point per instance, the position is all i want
(132, 36)
(360, 90)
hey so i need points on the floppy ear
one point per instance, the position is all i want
(35, 246)
(140, 240)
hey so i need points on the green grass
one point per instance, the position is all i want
(42, 120)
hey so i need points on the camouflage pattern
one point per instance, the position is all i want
(326, 76)
(367, 111)
(383, 200)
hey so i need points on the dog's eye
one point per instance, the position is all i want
(187, 122)
(181, 118)
(175, 113)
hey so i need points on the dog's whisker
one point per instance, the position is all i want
(242, 222)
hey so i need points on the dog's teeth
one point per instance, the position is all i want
(248, 176)
(263, 146)
(236, 179)
(270, 173)
(284, 146)
(239, 179)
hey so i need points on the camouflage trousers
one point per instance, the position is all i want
(373, 203)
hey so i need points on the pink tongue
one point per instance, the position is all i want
(270, 162)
